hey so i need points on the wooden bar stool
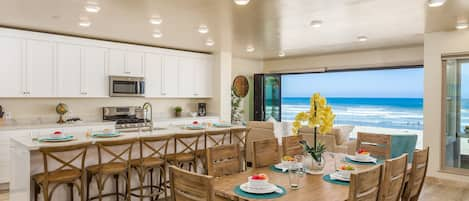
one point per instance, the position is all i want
(291, 145)
(239, 136)
(117, 154)
(217, 137)
(66, 173)
(153, 152)
(186, 147)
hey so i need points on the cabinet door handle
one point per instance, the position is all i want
(84, 93)
(127, 72)
(26, 92)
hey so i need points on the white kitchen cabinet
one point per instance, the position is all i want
(204, 77)
(69, 72)
(40, 68)
(95, 80)
(81, 71)
(170, 78)
(153, 75)
(11, 67)
(126, 63)
(187, 77)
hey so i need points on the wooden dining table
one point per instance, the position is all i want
(314, 187)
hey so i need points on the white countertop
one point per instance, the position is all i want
(160, 118)
(13, 125)
(31, 145)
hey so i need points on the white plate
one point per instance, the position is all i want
(366, 160)
(246, 188)
(335, 176)
(56, 139)
(281, 166)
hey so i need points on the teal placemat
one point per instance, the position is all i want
(401, 144)
(52, 139)
(363, 163)
(273, 195)
(328, 179)
(274, 169)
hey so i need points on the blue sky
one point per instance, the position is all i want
(391, 83)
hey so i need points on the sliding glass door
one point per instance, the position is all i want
(267, 97)
(456, 135)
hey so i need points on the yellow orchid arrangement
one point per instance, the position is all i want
(319, 116)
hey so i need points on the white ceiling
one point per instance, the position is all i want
(269, 25)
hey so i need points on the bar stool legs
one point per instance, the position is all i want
(149, 172)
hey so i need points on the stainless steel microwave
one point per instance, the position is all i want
(124, 86)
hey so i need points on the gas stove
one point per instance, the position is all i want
(126, 117)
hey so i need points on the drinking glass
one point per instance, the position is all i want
(300, 160)
(34, 136)
(294, 176)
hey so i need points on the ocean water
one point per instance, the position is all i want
(400, 113)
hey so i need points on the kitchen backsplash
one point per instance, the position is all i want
(90, 109)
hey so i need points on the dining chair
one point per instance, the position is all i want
(239, 136)
(186, 149)
(365, 184)
(220, 196)
(68, 171)
(393, 179)
(153, 151)
(114, 158)
(190, 186)
(223, 160)
(291, 145)
(265, 153)
(417, 175)
(259, 130)
(379, 145)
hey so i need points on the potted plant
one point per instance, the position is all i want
(177, 111)
(321, 118)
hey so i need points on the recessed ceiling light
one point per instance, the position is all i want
(84, 23)
(281, 54)
(362, 38)
(241, 2)
(462, 25)
(203, 29)
(209, 42)
(315, 23)
(157, 34)
(92, 7)
(436, 3)
(250, 48)
(156, 20)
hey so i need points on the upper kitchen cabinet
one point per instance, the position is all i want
(126, 63)
(81, 71)
(40, 69)
(187, 77)
(153, 75)
(11, 67)
(95, 79)
(204, 77)
(170, 76)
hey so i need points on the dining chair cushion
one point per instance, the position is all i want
(58, 176)
(147, 162)
(107, 168)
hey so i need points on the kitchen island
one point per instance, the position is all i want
(27, 160)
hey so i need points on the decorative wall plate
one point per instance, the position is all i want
(241, 86)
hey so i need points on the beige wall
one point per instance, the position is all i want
(437, 44)
(90, 109)
(412, 55)
(247, 67)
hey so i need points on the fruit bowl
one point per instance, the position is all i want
(345, 171)
(287, 161)
(362, 154)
